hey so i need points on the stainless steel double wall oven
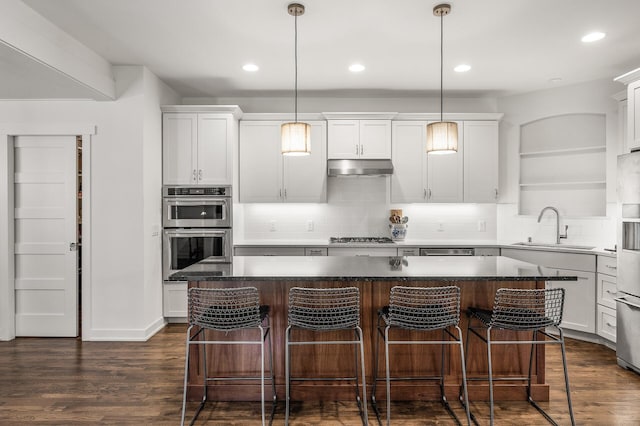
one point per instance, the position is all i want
(197, 223)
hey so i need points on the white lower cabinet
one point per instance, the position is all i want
(268, 251)
(580, 296)
(607, 323)
(175, 299)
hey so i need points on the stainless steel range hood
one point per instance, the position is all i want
(359, 167)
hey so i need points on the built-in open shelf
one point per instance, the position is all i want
(563, 164)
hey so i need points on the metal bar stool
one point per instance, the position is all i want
(326, 309)
(423, 309)
(528, 311)
(227, 310)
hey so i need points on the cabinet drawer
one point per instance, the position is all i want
(607, 323)
(315, 251)
(607, 265)
(607, 290)
(409, 251)
(269, 251)
(362, 251)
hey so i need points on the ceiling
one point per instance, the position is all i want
(198, 47)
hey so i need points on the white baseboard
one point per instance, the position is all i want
(126, 335)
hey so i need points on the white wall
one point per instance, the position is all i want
(590, 97)
(125, 186)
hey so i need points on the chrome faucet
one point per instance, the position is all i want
(558, 234)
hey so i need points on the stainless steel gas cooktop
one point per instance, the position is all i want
(360, 240)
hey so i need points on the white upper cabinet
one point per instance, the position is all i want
(480, 161)
(633, 115)
(350, 139)
(266, 176)
(197, 147)
(632, 80)
(445, 173)
(409, 157)
(419, 177)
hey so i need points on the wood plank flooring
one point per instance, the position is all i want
(66, 381)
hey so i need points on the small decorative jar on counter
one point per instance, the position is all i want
(398, 231)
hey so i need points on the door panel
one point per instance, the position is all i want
(45, 226)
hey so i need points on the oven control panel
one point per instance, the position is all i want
(196, 191)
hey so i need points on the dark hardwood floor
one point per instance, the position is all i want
(66, 381)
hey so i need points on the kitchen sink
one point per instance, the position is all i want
(555, 246)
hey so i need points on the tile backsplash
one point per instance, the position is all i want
(359, 206)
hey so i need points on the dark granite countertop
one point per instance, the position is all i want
(368, 268)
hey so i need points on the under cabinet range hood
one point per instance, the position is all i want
(359, 167)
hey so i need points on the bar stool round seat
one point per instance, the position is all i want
(325, 310)
(425, 310)
(225, 311)
(530, 310)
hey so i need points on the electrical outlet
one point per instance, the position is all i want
(440, 227)
(482, 226)
(309, 225)
(272, 225)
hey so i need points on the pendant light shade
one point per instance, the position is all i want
(296, 136)
(442, 136)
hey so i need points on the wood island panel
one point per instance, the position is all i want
(338, 360)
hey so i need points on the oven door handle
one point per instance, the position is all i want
(199, 201)
(193, 232)
(626, 302)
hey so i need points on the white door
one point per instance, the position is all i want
(260, 162)
(179, 155)
(408, 181)
(343, 139)
(480, 161)
(305, 176)
(45, 199)
(375, 139)
(214, 155)
(445, 174)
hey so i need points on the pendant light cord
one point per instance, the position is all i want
(441, 66)
(295, 55)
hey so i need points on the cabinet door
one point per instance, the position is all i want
(214, 155)
(480, 161)
(408, 181)
(579, 300)
(444, 171)
(633, 115)
(175, 299)
(343, 139)
(260, 162)
(375, 139)
(305, 177)
(179, 139)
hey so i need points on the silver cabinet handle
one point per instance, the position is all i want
(73, 247)
(361, 149)
(611, 267)
(425, 193)
(608, 324)
(610, 292)
(280, 193)
(496, 193)
(285, 193)
(200, 174)
(195, 175)
(429, 193)
(356, 149)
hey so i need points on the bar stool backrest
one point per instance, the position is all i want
(224, 309)
(424, 308)
(324, 308)
(517, 309)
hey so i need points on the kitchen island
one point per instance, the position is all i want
(477, 276)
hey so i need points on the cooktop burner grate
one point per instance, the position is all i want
(347, 240)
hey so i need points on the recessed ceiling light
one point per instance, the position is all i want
(462, 68)
(356, 67)
(555, 80)
(250, 67)
(591, 37)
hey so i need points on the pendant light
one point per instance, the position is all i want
(296, 136)
(442, 136)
